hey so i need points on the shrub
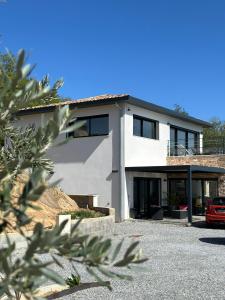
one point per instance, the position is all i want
(24, 151)
(82, 214)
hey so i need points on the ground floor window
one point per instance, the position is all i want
(202, 189)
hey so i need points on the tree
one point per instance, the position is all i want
(216, 131)
(8, 69)
(214, 136)
(24, 274)
(179, 109)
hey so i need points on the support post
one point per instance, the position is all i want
(189, 186)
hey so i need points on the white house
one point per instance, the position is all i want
(122, 152)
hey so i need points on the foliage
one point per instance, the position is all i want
(8, 69)
(214, 136)
(73, 280)
(217, 131)
(83, 213)
(179, 109)
(24, 274)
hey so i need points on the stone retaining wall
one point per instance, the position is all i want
(202, 160)
(97, 226)
(93, 226)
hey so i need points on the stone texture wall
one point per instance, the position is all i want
(202, 160)
(97, 226)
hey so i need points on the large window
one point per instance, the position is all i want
(202, 191)
(91, 126)
(183, 142)
(145, 127)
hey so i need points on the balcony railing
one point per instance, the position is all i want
(196, 147)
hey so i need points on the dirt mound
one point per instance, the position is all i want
(52, 202)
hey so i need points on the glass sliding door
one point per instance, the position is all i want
(191, 142)
(146, 194)
(177, 192)
(198, 200)
(172, 142)
(202, 190)
(183, 142)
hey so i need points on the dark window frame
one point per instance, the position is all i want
(142, 119)
(88, 119)
(186, 131)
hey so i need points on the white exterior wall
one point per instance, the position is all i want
(88, 165)
(140, 151)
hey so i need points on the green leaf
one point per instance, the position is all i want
(52, 275)
(117, 250)
(131, 248)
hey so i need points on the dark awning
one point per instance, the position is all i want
(176, 169)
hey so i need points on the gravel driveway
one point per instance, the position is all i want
(184, 263)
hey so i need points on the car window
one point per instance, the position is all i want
(219, 201)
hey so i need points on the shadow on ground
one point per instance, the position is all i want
(213, 240)
(202, 224)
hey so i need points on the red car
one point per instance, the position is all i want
(215, 212)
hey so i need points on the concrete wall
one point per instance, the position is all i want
(88, 165)
(203, 160)
(94, 226)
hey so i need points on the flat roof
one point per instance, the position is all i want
(177, 169)
(108, 99)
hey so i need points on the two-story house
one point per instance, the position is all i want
(128, 151)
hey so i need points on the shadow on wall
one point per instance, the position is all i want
(78, 150)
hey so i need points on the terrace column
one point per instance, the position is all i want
(189, 192)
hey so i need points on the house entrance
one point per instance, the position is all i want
(146, 195)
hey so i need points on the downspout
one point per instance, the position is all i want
(121, 162)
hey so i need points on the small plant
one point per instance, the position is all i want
(73, 280)
(81, 214)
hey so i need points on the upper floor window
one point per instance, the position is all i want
(91, 126)
(145, 127)
(183, 141)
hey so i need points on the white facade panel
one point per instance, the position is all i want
(141, 151)
(87, 165)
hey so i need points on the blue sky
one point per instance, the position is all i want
(164, 51)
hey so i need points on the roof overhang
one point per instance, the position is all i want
(109, 100)
(82, 103)
(167, 111)
(177, 169)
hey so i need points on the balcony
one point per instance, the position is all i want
(189, 147)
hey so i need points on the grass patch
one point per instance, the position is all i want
(82, 214)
